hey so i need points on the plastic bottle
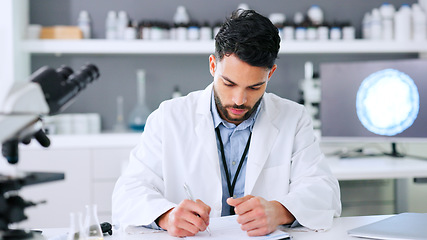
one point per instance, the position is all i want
(140, 112)
(288, 32)
(323, 33)
(130, 31)
(84, 24)
(315, 14)
(278, 19)
(419, 23)
(366, 26)
(181, 16)
(376, 27)
(206, 32)
(181, 20)
(335, 33)
(348, 32)
(176, 93)
(242, 6)
(402, 23)
(122, 24)
(193, 31)
(298, 18)
(111, 25)
(387, 11)
(300, 33)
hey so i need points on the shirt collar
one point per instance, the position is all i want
(217, 120)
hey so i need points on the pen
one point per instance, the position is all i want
(190, 196)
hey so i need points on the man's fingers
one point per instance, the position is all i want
(236, 201)
(203, 211)
(187, 220)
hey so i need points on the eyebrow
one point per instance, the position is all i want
(254, 85)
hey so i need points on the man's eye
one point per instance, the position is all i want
(228, 84)
(254, 88)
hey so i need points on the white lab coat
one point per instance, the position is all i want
(179, 146)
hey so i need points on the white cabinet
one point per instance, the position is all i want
(91, 169)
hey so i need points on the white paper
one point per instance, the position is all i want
(225, 228)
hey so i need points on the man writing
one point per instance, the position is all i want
(239, 149)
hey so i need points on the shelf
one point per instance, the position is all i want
(101, 46)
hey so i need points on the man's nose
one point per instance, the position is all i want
(239, 97)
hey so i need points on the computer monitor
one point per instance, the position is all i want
(374, 101)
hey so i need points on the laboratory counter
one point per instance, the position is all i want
(339, 231)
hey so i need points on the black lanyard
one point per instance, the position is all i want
(229, 184)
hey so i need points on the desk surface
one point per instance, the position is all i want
(377, 168)
(338, 231)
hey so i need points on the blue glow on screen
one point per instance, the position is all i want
(387, 102)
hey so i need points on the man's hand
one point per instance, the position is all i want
(187, 219)
(258, 216)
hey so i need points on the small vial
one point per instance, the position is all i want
(300, 33)
(111, 25)
(335, 33)
(84, 24)
(288, 33)
(206, 32)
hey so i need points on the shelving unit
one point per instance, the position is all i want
(101, 46)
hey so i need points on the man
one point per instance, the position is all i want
(239, 149)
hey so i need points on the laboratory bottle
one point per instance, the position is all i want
(111, 25)
(176, 93)
(278, 19)
(206, 32)
(300, 33)
(348, 32)
(92, 228)
(242, 6)
(122, 24)
(376, 28)
(76, 230)
(315, 15)
(193, 31)
(298, 18)
(335, 33)
(140, 112)
(387, 11)
(130, 32)
(181, 16)
(402, 23)
(366, 26)
(419, 23)
(323, 33)
(216, 29)
(120, 125)
(84, 24)
(288, 32)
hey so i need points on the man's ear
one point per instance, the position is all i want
(272, 70)
(212, 65)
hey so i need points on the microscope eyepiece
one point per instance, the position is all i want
(62, 85)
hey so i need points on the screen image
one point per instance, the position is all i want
(374, 101)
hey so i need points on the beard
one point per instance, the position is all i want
(222, 109)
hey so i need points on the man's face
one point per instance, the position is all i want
(238, 87)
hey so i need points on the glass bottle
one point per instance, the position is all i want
(75, 231)
(92, 228)
(140, 112)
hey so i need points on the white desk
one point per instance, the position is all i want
(338, 231)
(377, 168)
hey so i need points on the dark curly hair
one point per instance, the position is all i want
(250, 36)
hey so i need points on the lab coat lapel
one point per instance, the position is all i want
(264, 135)
(205, 130)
